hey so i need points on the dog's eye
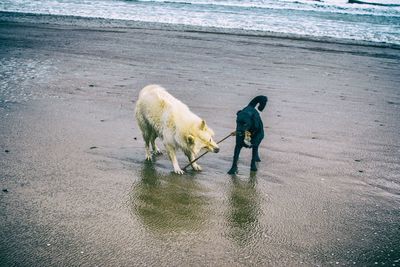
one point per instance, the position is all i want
(210, 140)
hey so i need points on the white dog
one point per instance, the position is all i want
(159, 114)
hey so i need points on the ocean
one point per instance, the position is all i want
(377, 21)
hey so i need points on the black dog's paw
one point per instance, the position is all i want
(253, 168)
(258, 159)
(233, 171)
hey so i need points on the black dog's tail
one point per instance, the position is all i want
(261, 99)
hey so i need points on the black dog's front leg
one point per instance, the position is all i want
(234, 168)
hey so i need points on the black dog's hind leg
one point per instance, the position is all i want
(254, 157)
(257, 156)
(234, 168)
(256, 140)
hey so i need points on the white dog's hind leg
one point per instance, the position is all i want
(144, 127)
(172, 156)
(156, 150)
(147, 147)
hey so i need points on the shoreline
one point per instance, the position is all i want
(104, 23)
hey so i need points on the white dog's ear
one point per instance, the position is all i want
(190, 139)
(203, 125)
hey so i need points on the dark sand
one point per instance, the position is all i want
(76, 189)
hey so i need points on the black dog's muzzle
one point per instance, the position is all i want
(242, 132)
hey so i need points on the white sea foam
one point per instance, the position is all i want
(329, 18)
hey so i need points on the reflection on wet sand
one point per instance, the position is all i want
(167, 203)
(244, 210)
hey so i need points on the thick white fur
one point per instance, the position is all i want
(159, 114)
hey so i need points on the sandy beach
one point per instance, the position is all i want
(76, 190)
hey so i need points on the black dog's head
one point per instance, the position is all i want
(244, 122)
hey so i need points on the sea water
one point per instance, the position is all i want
(377, 21)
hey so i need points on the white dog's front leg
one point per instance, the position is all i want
(194, 165)
(172, 156)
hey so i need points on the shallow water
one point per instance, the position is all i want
(20, 74)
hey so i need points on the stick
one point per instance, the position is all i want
(220, 141)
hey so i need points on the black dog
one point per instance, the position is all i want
(249, 120)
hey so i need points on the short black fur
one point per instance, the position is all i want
(248, 119)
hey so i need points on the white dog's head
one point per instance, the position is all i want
(201, 137)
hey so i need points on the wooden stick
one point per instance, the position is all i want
(220, 141)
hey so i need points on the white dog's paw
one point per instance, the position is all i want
(179, 171)
(148, 158)
(196, 167)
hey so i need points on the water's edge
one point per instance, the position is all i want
(65, 20)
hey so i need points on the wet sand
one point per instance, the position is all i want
(76, 189)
